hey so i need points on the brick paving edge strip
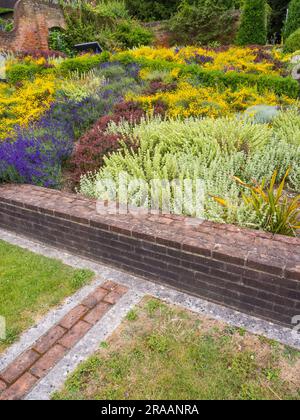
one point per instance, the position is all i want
(86, 347)
(25, 371)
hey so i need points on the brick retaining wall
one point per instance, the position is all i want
(253, 272)
(32, 21)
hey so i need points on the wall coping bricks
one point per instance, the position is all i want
(251, 271)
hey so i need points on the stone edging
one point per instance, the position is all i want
(253, 272)
(27, 370)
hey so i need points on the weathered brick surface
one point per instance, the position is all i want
(97, 313)
(254, 272)
(94, 298)
(32, 21)
(2, 386)
(75, 334)
(50, 338)
(19, 366)
(40, 368)
(19, 377)
(73, 316)
(19, 388)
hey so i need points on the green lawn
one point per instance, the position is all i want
(30, 285)
(164, 353)
(2, 10)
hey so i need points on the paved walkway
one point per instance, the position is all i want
(39, 363)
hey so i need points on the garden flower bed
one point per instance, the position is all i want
(228, 116)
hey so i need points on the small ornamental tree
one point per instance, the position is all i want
(253, 27)
(293, 21)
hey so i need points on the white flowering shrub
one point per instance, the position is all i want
(213, 150)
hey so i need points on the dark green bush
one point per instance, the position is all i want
(58, 42)
(130, 34)
(204, 21)
(292, 44)
(82, 64)
(21, 72)
(149, 10)
(293, 21)
(254, 23)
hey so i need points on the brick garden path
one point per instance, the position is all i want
(25, 371)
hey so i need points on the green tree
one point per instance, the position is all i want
(205, 21)
(293, 21)
(254, 22)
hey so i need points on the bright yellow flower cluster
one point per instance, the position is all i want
(27, 103)
(235, 58)
(188, 100)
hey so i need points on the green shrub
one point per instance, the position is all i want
(149, 10)
(293, 21)
(58, 42)
(20, 72)
(114, 9)
(292, 44)
(82, 64)
(204, 21)
(130, 34)
(253, 27)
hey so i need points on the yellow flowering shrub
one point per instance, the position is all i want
(188, 100)
(19, 106)
(234, 58)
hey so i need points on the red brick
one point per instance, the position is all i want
(19, 366)
(49, 339)
(2, 386)
(97, 313)
(20, 388)
(31, 26)
(75, 334)
(94, 298)
(109, 285)
(47, 361)
(73, 316)
(115, 295)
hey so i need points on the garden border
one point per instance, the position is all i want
(250, 271)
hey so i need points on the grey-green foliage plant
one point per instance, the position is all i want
(208, 149)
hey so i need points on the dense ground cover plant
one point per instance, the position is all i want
(33, 150)
(232, 72)
(208, 149)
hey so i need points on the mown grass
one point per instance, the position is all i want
(164, 353)
(30, 285)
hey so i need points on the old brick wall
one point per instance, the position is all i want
(33, 19)
(253, 272)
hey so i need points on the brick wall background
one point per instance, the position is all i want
(33, 19)
(253, 272)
